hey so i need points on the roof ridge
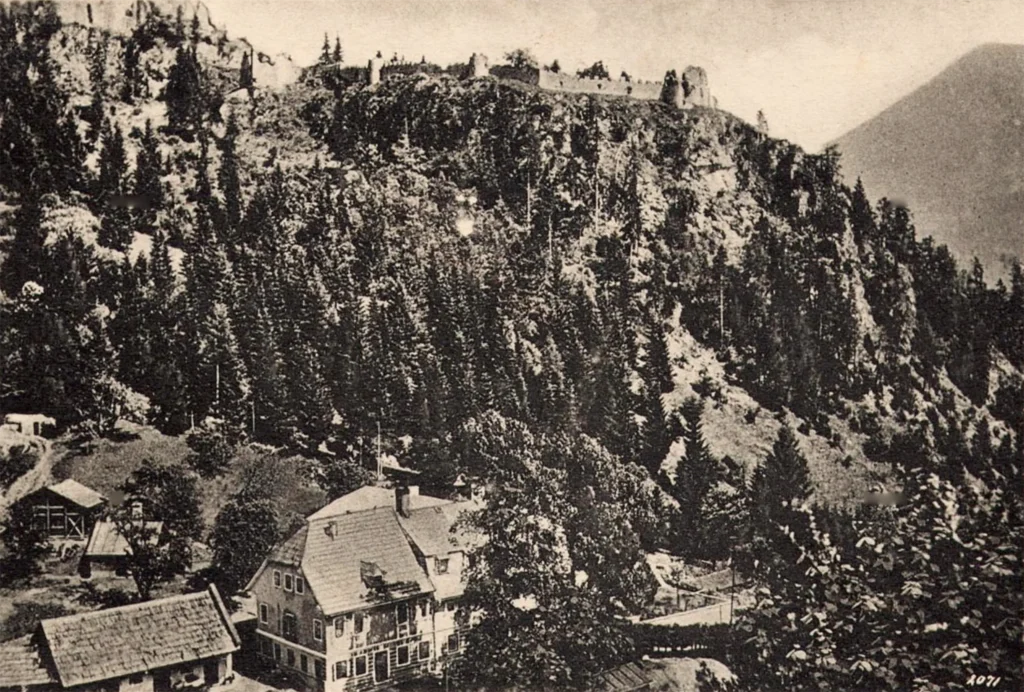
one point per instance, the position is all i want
(131, 607)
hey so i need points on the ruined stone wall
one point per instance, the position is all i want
(552, 81)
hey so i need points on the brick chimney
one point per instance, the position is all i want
(402, 500)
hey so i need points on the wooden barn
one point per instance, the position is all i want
(66, 510)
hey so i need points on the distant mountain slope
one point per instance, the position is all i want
(953, 150)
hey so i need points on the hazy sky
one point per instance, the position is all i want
(816, 67)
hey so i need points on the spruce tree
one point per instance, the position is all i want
(228, 178)
(183, 93)
(782, 479)
(337, 55)
(148, 170)
(696, 476)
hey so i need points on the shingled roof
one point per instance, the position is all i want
(21, 664)
(334, 548)
(430, 529)
(131, 639)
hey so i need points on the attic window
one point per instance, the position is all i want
(264, 613)
(357, 624)
(318, 630)
(403, 613)
(277, 579)
(441, 565)
(339, 626)
(300, 585)
(287, 582)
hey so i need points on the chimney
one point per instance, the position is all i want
(402, 500)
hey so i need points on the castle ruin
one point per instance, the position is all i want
(688, 90)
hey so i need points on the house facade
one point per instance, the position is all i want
(181, 642)
(365, 594)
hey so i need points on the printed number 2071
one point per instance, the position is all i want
(983, 681)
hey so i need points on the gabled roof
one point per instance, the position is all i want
(106, 541)
(334, 550)
(22, 664)
(112, 643)
(81, 495)
(371, 497)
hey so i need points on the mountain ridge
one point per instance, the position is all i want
(953, 150)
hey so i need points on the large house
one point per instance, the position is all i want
(171, 643)
(365, 594)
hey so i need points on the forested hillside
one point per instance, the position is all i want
(461, 267)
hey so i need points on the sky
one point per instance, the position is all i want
(816, 68)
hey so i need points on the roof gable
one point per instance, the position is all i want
(112, 643)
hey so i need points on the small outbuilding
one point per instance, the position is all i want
(29, 423)
(66, 510)
(108, 550)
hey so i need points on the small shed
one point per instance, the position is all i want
(107, 548)
(67, 509)
(630, 677)
(29, 423)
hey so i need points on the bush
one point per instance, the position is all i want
(26, 617)
(213, 445)
(19, 461)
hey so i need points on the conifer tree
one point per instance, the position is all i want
(148, 170)
(228, 178)
(782, 479)
(337, 55)
(26, 257)
(325, 51)
(696, 475)
(183, 93)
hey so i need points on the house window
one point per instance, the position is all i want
(300, 585)
(303, 663)
(289, 627)
(424, 650)
(340, 670)
(357, 624)
(318, 630)
(277, 652)
(403, 613)
(265, 648)
(423, 609)
(453, 642)
(290, 656)
(319, 669)
(360, 665)
(403, 655)
(441, 565)
(135, 679)
(277, 579)
(287, 582)
(264, 613)
(339, 626)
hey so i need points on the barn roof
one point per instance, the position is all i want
(81, 495)
(112, 643)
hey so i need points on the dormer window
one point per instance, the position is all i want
(441, 565)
